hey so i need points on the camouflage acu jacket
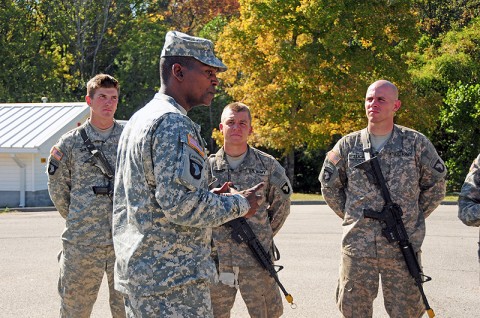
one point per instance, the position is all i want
(415, 176)
(256, 167)
(163, 210)
(469, 199)
(71, 176)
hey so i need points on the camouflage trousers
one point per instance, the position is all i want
(258, 289)
(188, 301)
(358, 287)
(81, 272)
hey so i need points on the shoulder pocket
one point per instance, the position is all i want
(192, 162)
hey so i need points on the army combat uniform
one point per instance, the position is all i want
(163, 214)
(469, 199)
(87, 239)
(238, 269)
(415, 176)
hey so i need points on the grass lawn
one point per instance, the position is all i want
(318, 197)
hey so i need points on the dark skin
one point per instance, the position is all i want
(191, 87)
(196, 86)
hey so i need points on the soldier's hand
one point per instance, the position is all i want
(253, 198)
(225, 188)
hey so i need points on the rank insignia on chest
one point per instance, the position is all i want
(192, 142)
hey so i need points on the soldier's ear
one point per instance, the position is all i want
(177, 71)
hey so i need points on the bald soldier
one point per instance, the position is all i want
(415, 177)
(163, 209)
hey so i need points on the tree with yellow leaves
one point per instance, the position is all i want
(304, 65)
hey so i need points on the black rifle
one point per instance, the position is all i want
(242, 233)
(99, 160)
(394, 229)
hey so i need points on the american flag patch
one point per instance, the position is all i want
(192, 142)
(57, 154)
(334, 157)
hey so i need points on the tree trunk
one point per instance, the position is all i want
(289, 165)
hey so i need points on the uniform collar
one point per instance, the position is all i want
(221, 162)
(93, 135)
(395, 143)
(172, 101)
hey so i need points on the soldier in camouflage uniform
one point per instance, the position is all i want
(72, 172)
(415, 176)
(469, 199)
(163, 209)
(245, 166)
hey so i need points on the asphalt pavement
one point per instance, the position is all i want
(310, 253)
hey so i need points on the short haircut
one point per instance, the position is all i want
(237, 107)
(167, 62)
(101, 81)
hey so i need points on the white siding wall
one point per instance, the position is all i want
(39, 174)
(9, 180)
(36, 178)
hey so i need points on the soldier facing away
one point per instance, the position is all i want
(81, 187)
(469, 199)
(415, 177)
(246, 166)
(163, 209)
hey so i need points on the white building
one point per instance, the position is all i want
(27, 133)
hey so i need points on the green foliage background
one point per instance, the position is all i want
(302, 65)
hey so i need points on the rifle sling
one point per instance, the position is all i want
(98, 154)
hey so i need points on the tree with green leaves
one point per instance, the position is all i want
(24, 60)
(460, 128)
(449, 69)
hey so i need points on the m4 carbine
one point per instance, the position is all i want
(394, 229)
(242, 233)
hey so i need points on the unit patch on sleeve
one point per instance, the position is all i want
(439, 166)
(52, 167)
(327, 174)
(286, 188)
(195, 169)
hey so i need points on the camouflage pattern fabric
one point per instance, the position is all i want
(88, 218)
(80, 280)
(358, 287)
(469, 199)
(181, 44)
(163, 210)
(256, 167)
(188, 301)
(259, 291)
(415, 176)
